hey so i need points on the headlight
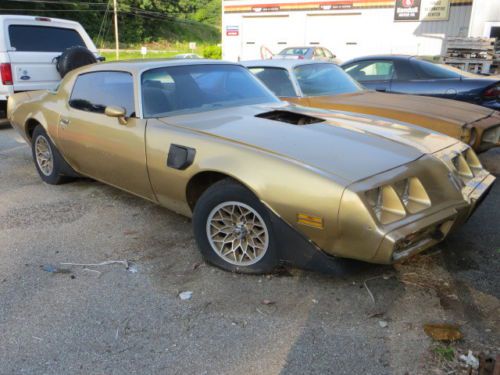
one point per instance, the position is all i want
(466, 164)
(469, 136)
(393, 202)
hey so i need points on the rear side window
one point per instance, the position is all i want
(26, 38)
(375, 70)
(276, 79)
(93, 92)
(434, 71)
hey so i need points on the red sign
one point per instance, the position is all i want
(232, 30)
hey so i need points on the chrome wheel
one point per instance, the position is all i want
(43, 154)
(237, 233)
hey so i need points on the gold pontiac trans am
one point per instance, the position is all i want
(265, 182)
(326, 85)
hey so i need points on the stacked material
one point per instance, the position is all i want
(475, 55)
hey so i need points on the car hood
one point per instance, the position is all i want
(410, 108)
(345, 145)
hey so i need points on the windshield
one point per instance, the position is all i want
(276, 79)
(195, 88)
(325, 79)
(294, 51)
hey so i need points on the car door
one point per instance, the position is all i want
(99, 146)
(373, 74)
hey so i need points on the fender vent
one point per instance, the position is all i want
(290, 117)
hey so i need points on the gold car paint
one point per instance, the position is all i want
(453, 118)
(311, 190)
(350, 228)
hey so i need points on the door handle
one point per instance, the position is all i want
(64, 122)
(380, 89)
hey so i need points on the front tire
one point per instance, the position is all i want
(233, 229)
(48, 161)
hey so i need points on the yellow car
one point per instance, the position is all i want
(265, 182)
(326, 85)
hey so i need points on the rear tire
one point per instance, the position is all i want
(233, 229)
(48, 161)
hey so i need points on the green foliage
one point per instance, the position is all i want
(212, 52)
(444, 352)
(140, 21)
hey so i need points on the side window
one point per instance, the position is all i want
(93, 92)
(318, 52)
(328, 53)
(276, 79)
(375, 70)
(405, 71)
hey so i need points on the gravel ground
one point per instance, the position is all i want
(110, 320)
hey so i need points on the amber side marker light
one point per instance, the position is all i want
(310, 221)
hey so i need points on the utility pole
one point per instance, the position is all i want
(117, 42)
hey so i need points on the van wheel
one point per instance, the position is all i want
(233, 229)
(48, 161)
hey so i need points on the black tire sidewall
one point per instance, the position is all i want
(224, 191)
(55, 177)
(74, 58)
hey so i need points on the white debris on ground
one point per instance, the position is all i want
(185, 295)
(470, 360)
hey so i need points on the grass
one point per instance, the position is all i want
(129, 55)
(444, 352)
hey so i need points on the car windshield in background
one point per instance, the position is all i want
(325, 79)
(294, 52)
(436, 71)
(25, 38)
(276, 79)
(196, 88)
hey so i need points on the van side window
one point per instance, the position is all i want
(27, 38)
(93, 92)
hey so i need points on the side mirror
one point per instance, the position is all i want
(118, 112)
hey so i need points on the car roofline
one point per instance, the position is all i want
(282, 63)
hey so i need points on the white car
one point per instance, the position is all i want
(29, 47)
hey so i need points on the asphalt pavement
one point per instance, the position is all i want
(128, 318)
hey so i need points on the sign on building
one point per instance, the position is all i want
(435, 10)
(407, 10)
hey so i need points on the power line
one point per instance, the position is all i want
(58, 2)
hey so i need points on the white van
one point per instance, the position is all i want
(28, 50)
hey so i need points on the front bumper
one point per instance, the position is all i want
(425, 233)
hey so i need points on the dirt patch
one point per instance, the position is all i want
(43, 214)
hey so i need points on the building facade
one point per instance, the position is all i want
(349, 28)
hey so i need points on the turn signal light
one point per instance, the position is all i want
(6, 74)
(310, 221)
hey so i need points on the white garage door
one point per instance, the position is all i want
(263, 31)
(337, 32)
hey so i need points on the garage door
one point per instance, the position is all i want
(337, 32)
(267, 31)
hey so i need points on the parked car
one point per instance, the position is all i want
(325, 85)
(412, 75)
(306, 53)
(265, 182)
(187, 56)
(29, 47)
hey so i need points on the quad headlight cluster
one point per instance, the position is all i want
(393, 202)
(466, 164)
